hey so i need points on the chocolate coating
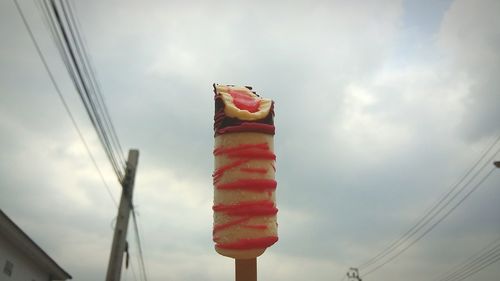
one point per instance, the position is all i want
(225, 124)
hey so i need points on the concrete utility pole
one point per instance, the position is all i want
(120, 235)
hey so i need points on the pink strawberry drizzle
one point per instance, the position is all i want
(243, 212)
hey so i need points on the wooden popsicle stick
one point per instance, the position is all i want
(246, 269)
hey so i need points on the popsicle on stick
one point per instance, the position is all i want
(244, 176)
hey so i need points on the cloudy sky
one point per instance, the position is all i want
(381, 107)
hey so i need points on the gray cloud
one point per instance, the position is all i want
(471, 36)
(364, 145)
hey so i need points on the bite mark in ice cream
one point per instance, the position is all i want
(245, 101)
(238, 109)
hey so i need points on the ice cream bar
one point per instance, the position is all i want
(244, 184)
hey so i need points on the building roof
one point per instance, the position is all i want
(23, 242)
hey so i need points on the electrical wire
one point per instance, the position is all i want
(89, 71)
(139, 245)
(61, 97)
(432, 226)
(76, 59)
(476, 266)
(431, 213)
(133, 270)
(468, 260)
(92, 70)
(489, 262)
(477, 262)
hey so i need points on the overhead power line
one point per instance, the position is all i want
(61, 97)
(474, 264)
(63, 26)
(432, 226)
(73, 23)
(431, 213)
(434, 215)
(139, 246)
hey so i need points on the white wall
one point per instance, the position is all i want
(24, 268)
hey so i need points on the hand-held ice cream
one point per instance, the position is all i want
(244, 185)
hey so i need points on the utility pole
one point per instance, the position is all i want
(353, 274)
(120, 235)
